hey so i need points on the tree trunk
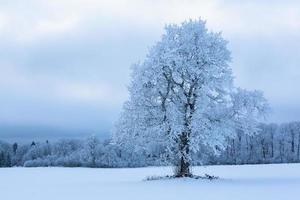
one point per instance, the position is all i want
(293, 142)
(298, 148)
(183, 166)
(272, 145)
(184, 170)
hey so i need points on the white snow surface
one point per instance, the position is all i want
(243, 182)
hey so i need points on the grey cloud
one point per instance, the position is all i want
(100, 48)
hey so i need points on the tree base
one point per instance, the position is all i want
(183, 175)
(205, 177)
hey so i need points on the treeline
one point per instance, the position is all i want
(272, 144)
(71, 153)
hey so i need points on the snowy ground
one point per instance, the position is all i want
(274, 182)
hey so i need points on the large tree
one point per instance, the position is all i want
(182, 97)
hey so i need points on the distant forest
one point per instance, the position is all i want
(272, 143)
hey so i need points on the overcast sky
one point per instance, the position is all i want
(66, 63)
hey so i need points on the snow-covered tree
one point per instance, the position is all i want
(182, 97)
(5, 154)
(91, 150)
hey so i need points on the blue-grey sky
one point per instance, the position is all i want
(66, 63)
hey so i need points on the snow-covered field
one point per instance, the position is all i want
(255, 182)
